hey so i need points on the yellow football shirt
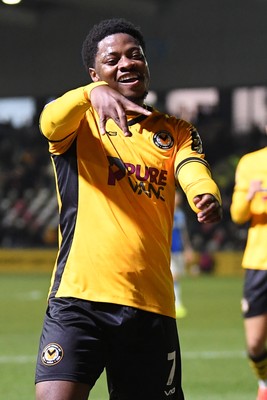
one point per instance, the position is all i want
(116, 201)
(252, 166)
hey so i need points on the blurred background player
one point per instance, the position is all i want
(249, 204)
(181, 252)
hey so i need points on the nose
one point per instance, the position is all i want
(126, 63)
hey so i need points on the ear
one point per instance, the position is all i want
(93, 74)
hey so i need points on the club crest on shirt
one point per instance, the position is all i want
(52, 354)
(196, 141)
(163, 140)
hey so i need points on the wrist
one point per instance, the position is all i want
(250, 196)
(88, 89)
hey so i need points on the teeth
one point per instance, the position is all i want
(128, 78)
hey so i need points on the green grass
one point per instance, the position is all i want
(211, 336)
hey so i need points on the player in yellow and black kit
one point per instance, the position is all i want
(117, 163)
(249, 204)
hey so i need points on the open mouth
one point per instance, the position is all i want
(129, 79)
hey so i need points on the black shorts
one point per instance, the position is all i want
(254, 300)
(139, 350)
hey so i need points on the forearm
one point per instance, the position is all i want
(62, 116)
(240, 207)
(195, 179)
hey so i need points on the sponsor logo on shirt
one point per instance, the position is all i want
(142, 179)
(196, 141)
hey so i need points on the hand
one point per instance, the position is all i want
(111, 104)
(211, 210)
(254, 187)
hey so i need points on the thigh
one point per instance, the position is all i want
(71, 346)
(58, 390)
(145, 360)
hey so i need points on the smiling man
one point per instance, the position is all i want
(120, 61)
(117, 163)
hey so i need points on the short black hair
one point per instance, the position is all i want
(103, 29)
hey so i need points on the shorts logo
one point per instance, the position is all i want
(196, 141)
(169, 392)
(52, 354)
(244, 305)
(163, 140)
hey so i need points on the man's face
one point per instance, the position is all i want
(121, 63)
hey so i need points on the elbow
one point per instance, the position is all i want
(45, 125)
(239, 218)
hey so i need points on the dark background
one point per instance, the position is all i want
(191, 43)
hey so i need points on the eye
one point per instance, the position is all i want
(111, 61)
(137, 55)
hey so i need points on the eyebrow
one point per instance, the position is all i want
(132, 48)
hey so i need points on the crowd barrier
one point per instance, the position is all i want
(226, 263)
(27, 260)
